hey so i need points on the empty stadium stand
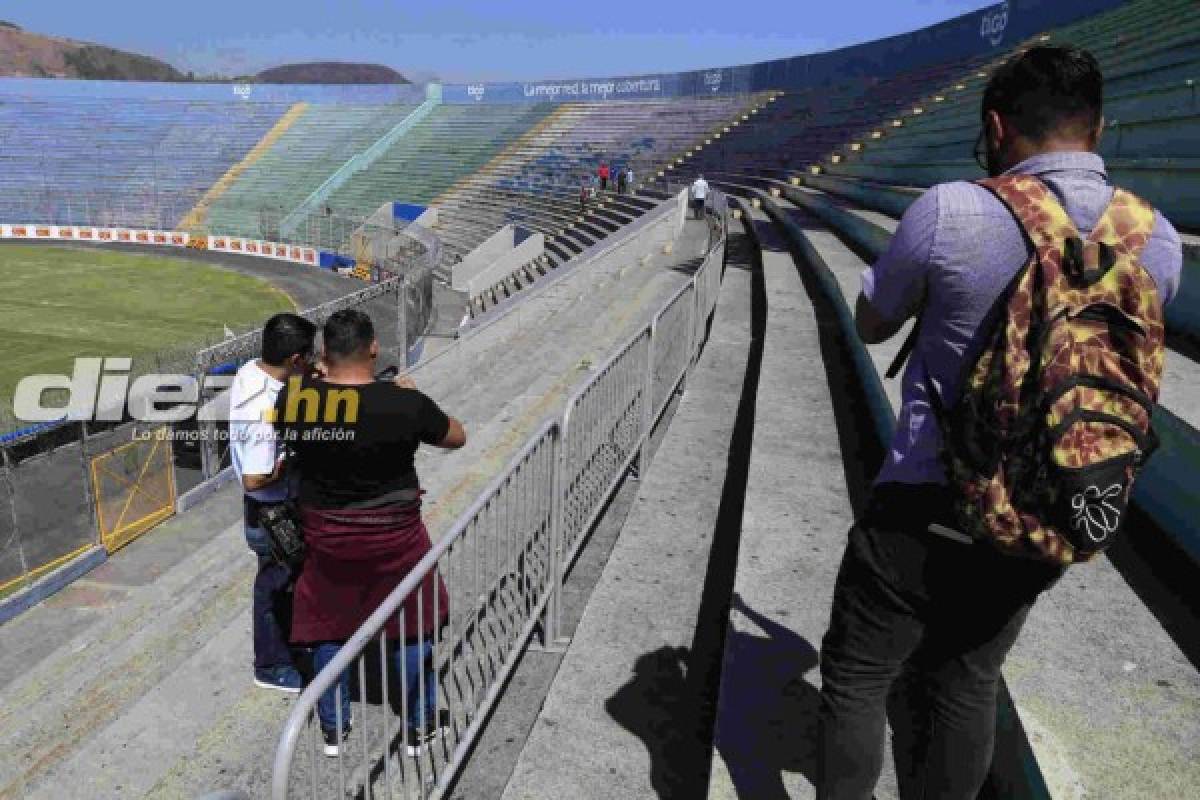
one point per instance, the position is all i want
(691, 671)
(836, 170)
(144, 163)
(1149, 54)
(314, 146)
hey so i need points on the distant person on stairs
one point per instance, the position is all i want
(699, 193)
(360, 512)
(629, 179)
(602, 173)
(257, 456)
(622, 181)
(915, 593)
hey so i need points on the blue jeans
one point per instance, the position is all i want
(272, 605)
(416, 661)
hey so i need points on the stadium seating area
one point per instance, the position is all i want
(320, 140)
(137, 162)
(453, 141)
(535, 183)
(735, 561)
(1150, 55)
(918, 128)
(241, 167)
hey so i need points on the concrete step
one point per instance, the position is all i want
(797, 510)
(1181, 373)
(629, 712)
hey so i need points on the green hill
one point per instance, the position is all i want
(32, 55)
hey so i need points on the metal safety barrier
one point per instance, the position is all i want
(460, 620)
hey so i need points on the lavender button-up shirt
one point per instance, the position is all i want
(958, 247)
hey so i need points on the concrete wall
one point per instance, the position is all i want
(498, 244)
(504, 265)
(428, 218)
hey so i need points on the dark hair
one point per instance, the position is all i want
(348, 333)
(1047, 89)
(286, 335)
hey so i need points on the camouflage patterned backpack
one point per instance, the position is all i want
(1052, 423)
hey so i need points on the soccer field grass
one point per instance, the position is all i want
(60, 303)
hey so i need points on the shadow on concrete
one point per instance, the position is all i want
(862, 456)
(772, 729)
(670, 702)
(689, 267)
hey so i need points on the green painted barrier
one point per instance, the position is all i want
(1182, 313)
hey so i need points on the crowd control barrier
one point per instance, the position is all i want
(503, 563)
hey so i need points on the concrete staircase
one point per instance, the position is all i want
(630, 710)
(634, 694)
(135, 681)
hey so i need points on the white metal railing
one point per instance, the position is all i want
(503, 563)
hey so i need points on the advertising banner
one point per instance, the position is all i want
(723, 80)
(224, 244)
(979, 33)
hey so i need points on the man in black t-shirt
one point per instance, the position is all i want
(355, 439)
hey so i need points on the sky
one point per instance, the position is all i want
(464, 41)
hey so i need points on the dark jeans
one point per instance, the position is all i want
(272, 605)
(946, 613)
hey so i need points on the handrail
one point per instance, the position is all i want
(534, 561)
(325, 679)
(1182, 314)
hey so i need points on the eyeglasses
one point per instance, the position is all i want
(980, 151)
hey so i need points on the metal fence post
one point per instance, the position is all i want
(10, 475)
(402, 320)
(552, 624)
(641, 463)
(88, 491)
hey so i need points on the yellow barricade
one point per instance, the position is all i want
(134, 489)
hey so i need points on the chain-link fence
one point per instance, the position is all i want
(75, 488)
(139, 209)
(70, 487)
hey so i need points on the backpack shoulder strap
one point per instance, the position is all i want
(1040, 216)
(1126, 225)
(1035, 207)
(906, 348)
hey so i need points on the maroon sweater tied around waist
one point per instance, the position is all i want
(356, 557)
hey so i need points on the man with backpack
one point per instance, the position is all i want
(1030, 378)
